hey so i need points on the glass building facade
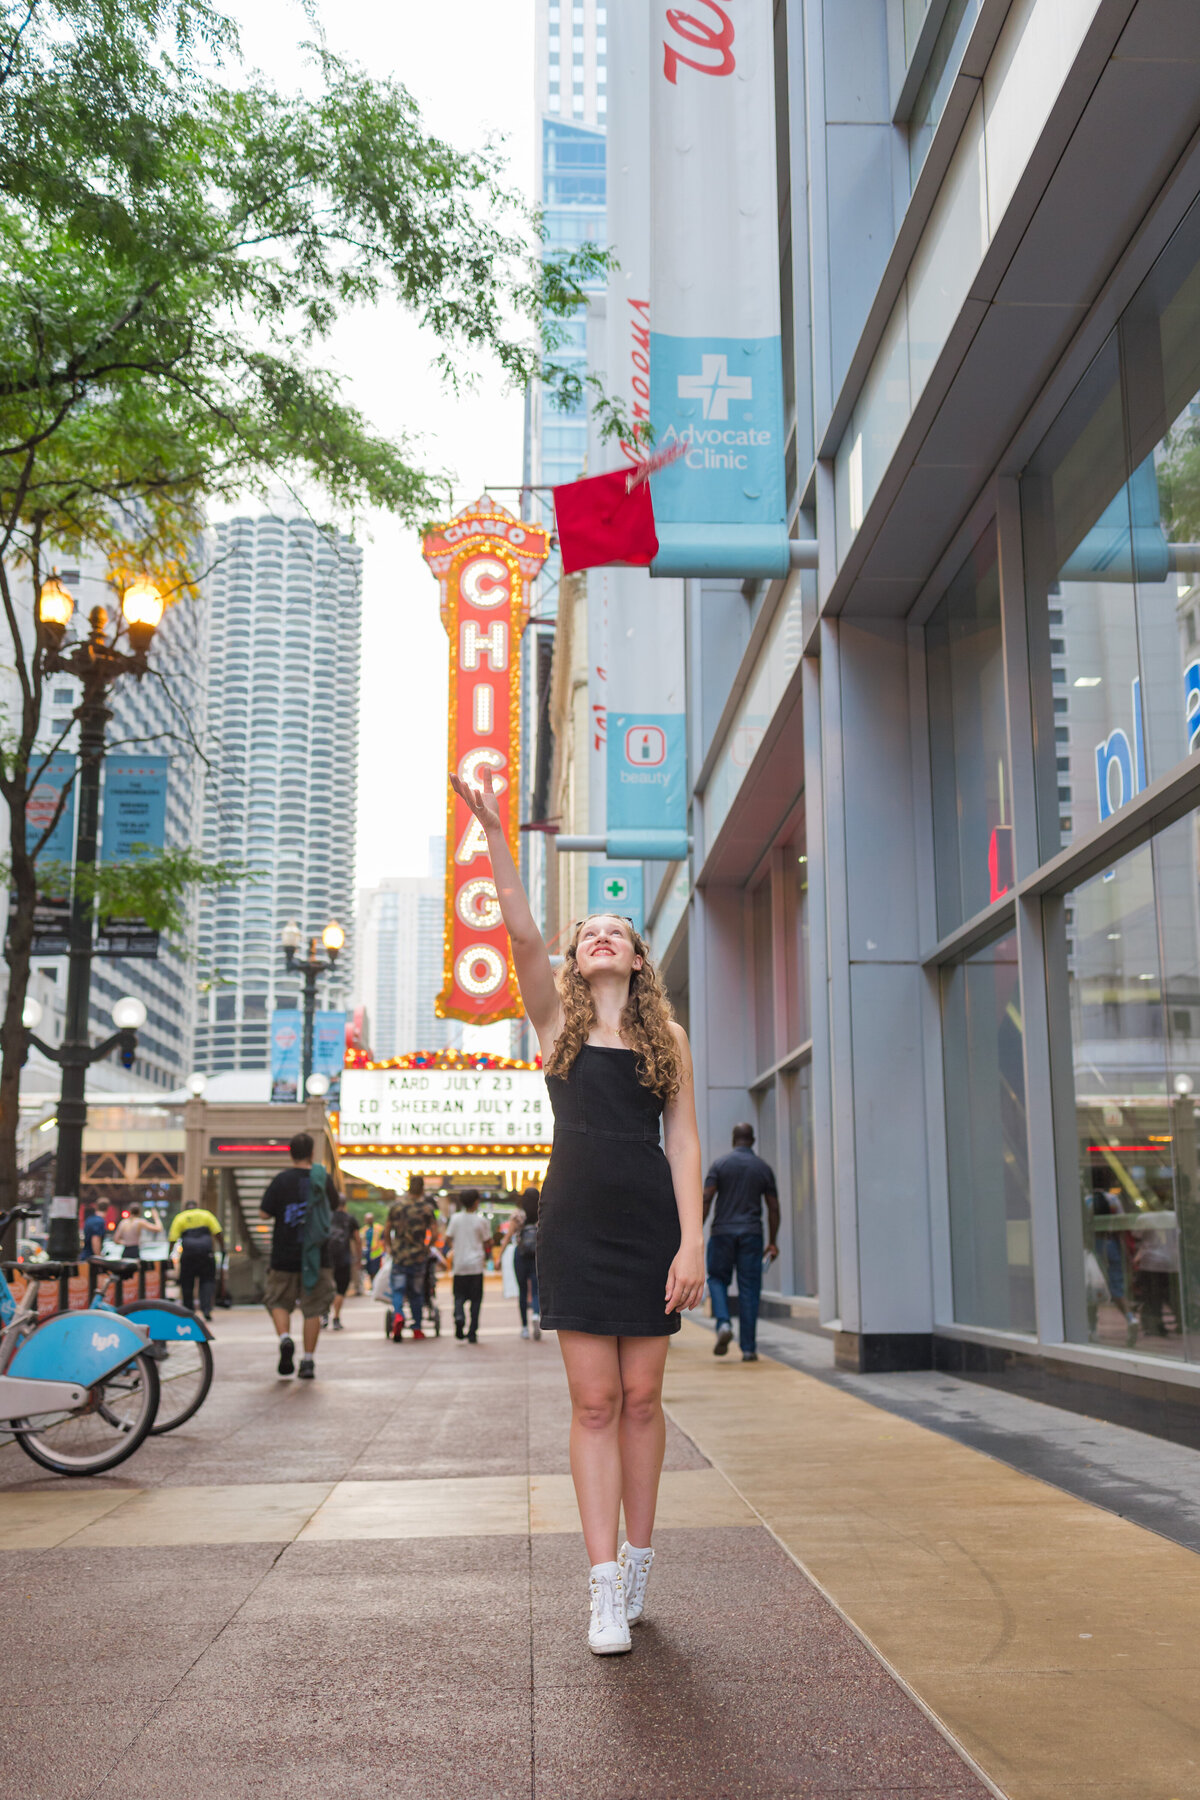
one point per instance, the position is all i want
(939, 934)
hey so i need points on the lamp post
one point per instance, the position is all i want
(96, 662)
(311, 967)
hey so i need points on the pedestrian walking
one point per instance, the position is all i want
(620, 1249)
(739, 1182)
(94, 1229)
(523, 1237)
(374, 1242)
(411, 1223)
(468, 1240)
(343, 1242)
(300, 1275)
(198, 1234)
(128, 1234)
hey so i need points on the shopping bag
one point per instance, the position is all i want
(508, 1273)
(381, 1287)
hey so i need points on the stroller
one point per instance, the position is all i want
(432, 1316)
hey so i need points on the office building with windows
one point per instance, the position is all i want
(399, 961)
(939, 932)
(164, 714)
(280, 793)
(571, 97)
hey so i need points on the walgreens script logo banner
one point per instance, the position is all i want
(716, 365)
(485, 560)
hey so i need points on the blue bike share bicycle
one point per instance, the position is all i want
(79, 1390)
(179, 1344)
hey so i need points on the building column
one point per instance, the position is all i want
(879, 1148)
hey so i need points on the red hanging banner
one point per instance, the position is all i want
(485, 560)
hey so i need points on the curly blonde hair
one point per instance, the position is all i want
(645, 1019)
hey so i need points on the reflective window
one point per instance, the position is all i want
(991, 1246)
(1081, 615)
(1130, 938)
(795, 943)
(766, 1139)
(797, 1088)
(773, 669)
(934, 91)
(764, 977)
(1111, 516)
(968, 742)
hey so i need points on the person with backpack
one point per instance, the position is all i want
(198, 1233)
(343, 1231)
(523, 1236)
(300, 1273)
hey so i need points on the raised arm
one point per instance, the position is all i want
(530, 956)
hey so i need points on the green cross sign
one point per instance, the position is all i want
(617, 888)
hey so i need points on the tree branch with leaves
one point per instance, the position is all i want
(177, 241)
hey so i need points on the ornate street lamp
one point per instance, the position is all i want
(96, 662)
(311, 967)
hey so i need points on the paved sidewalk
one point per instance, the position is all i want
(373, 1585)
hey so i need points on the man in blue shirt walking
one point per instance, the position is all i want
(739, 1183)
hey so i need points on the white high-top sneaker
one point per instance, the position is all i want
(608, 1629)
(635, 1570)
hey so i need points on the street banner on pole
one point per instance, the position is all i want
(716, 367)
(647, 785)
(135, 806)
(287, 1028)
(618, 888)
(329, 1051)
(643, 690)
(42, 799)
(135, 821)
(485, 560)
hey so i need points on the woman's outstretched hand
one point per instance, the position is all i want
(481, 801)
(685, 1279)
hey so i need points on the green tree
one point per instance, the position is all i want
(177, 240)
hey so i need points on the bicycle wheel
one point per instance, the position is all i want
(185, 1373)
(115, 1418)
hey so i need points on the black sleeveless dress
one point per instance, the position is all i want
(608, 1228)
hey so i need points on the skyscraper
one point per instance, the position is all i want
(280, 796)
(571, 38)
(398, 969)
(161, 715)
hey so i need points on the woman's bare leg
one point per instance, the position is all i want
(642, 1432)
(594, 1377)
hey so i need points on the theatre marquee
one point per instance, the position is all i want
(447, 1110)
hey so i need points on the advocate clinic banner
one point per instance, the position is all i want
(485, 560)
(716, 367)
(644, 726)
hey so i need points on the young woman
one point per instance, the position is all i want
(620, 1252)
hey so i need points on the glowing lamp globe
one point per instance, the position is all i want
(142, 606)
(56, 604)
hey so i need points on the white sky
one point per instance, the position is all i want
(469, 64)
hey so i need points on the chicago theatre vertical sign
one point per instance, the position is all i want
(485, 561)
